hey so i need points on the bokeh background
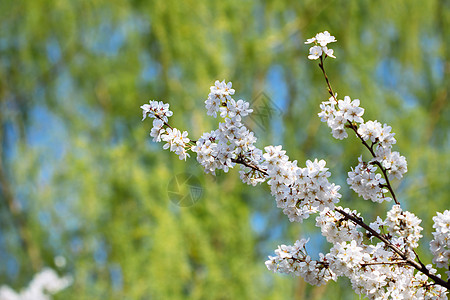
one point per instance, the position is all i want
(81, 179)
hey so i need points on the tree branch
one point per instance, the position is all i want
(418, 266)
(355, 129)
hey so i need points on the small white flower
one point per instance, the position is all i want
(315, 52)
(324, 38)
(371, 130)
(157, 130)
(176, 142)
(351, 110)
(156, 109)
(328, 52)
(242, 109)
(339, 133)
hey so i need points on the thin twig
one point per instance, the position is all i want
(330, 89)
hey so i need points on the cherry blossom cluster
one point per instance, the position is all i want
(364, 179)
(45, 283)
(368, 184)
(405, 226)
(378, 257)
(440, 245)
(336, 228)
(379, 273)
(156, 109)
(300, 192)
(337, 113)
(175, 140)
(295, 260)
(373, 270)
(220, 101)
(383, 138)
(232, 142)
(321, 40)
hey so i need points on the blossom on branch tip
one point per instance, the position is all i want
(324, 38)
(220, 93)
(321, 40)
(156, 109)
(222, 88)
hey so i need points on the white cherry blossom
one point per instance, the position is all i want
(378, 257)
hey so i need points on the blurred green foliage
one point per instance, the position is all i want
(80, 177)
